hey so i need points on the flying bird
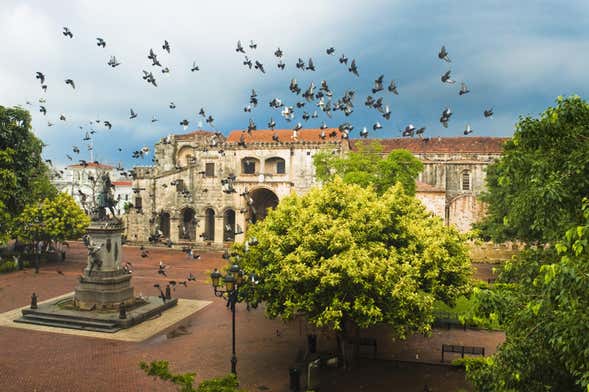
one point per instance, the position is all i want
(108, 124)
(353, 68)
(376, 126)
(194, 67)
(133, 114)
(446, 114)
(281, 65)
(278, 53)
(67, 32)
(166, 46)
(253, 45)
(443, 54)
(172, 105)
(463, 89)
(239, 47)
(378, 85)
(364, 132)
(468, 130)
(330, 51)
(259, 66)
(113, 62)
(40, 76)
(100, 42)
(271, 123)
(310, 65)
(387, 112)
(43, 110)
(62, 117)
(71, 83)
(446, 78)
(393, 88)
(343, 59)
(488, 113)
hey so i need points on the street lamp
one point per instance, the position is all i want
(232, 282)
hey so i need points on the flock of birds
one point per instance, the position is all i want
(312, 101)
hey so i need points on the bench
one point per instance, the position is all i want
(371, 342)
(454, 348)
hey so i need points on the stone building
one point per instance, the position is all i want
(205, 187)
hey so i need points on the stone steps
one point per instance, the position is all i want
(69, 322)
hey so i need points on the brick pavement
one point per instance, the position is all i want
(43, 361)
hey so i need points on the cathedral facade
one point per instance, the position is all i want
(204, 188)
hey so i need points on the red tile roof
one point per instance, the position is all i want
(92, 165)
(477, 144)
(194, 133)
(122, 183)
(284, 135)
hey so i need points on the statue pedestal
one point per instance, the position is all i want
(104, 284)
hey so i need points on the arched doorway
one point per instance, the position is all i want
(229, 226)
(260, 200)
(163, 224)
(188, 225)
(209, 234)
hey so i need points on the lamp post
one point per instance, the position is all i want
(232, 282)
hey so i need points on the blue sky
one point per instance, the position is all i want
(516, 57)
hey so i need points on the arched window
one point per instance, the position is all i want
(229, 226)
(275, 165)
(466, 180)
(249, 165)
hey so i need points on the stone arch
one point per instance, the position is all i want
(187, 224)
(209, 233)
(229, 225)
(261, 200)
(163, 223)
(250, 165)
(464, 210)
(184, 156)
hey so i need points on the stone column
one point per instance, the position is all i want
(219, 230)
(174, 227)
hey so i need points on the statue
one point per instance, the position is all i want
(105, 200)
(95, 260)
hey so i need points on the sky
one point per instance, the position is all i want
(515, 57)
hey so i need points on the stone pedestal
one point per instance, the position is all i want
(104, 285)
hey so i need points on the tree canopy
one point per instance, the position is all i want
(342, 254)
(55, 219)
(367, 166)
(534, 190)
(24, 176)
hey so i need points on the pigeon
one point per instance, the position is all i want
(271, 123)
(253, 45)
(248, 62)
(43, 110)
(194, 67)
(153, 119)
(330, 51)
(239, 47)
(364, 132)
(445, 117)
(300, 64)
(294, 87)
(322, 127)
(172, 105)
(113, 62)
(49, 124)
(393, 88)
(463, 89)
(100, 42)
(376, 126)
(184, 123)
(251, 126)
(488, 112)
(133, 114)
(343, 59)
(40, 76)
(409, 130)
(166, 70)
(201, 112)
(310, 65)
(353, 68)
(71, 83)
(62, 117)
(191, 277)
(387, 112)
(166, 46)
(210, 119)
(281, 65)
(443, 54)
(67, 32)
(446, 78)
(259, 66)
(44, 87)
(108, 124)
(468, 130)
(278, 53)
(75, 149)
(378, 85)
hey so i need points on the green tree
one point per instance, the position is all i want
(185, 382)
(547, 320)
(344, 255)
(367, 166)
(534, 190)
(24, 176)
(56, 219)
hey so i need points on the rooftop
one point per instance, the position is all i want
(466, 144)
(194, 133)
(94, 165)
(122, 183)
(285, 135)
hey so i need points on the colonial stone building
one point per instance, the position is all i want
(204, 188)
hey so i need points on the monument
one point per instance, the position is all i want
(104, 299)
